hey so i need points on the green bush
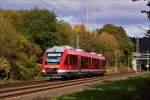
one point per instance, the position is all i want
(4, 67)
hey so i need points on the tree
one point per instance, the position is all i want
(38, 25)
(4, 68)
(121, 36)
(14, 50)
(65, 33)
(9, 39)
(86, 38)
(122, 41)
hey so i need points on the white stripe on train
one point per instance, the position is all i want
(83, 70)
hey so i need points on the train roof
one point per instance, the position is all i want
(59, 48)
(82, 53)
(74, 51)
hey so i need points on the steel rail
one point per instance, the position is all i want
(26, 85)
(54, 85)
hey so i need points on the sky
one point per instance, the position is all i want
(125, 13)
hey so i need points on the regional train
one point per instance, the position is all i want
(67, 62)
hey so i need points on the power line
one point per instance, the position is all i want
(10, 3)
(91, 16)
(78, 39)
(75, 13)
(51, 7)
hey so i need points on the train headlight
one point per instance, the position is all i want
(43, 70)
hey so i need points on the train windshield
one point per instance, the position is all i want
(53, 58)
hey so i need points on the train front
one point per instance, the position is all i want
(51, 63)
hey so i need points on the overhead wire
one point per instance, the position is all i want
(11, 3)
(49, 6)
(91, 39)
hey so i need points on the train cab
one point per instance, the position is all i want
(52, 61)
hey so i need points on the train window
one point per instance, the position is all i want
(95, 63)
(97, 66)
(89, 61)
(53, 58)
(103, 63)
(67, 60)
(100, 63)
(71, 60)
(84, 62)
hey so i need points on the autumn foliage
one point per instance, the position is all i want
(25, 34)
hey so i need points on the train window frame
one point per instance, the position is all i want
(103, 63)
(84, 62)
(95, 63)
(53, 63)
(100, 63)
(66, 62)
(71, 60)
(89, 61)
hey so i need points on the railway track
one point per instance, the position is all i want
(21, 83)
(24, 89)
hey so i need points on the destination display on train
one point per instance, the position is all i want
(53, 54)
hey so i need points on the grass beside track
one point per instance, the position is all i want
(133, 88)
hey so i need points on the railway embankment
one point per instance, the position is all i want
(53, 90)
(131, 88)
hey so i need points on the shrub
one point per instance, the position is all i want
(4, 67)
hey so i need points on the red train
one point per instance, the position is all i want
(66, 62)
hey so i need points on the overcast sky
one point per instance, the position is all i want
(118, 12)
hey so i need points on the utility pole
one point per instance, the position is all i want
(77, 43)
(87, 16)
(93, 18)
(116, 64)
(137, 53)
(90, 15)
(147, 66)
(148, 15)
(128, 63)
